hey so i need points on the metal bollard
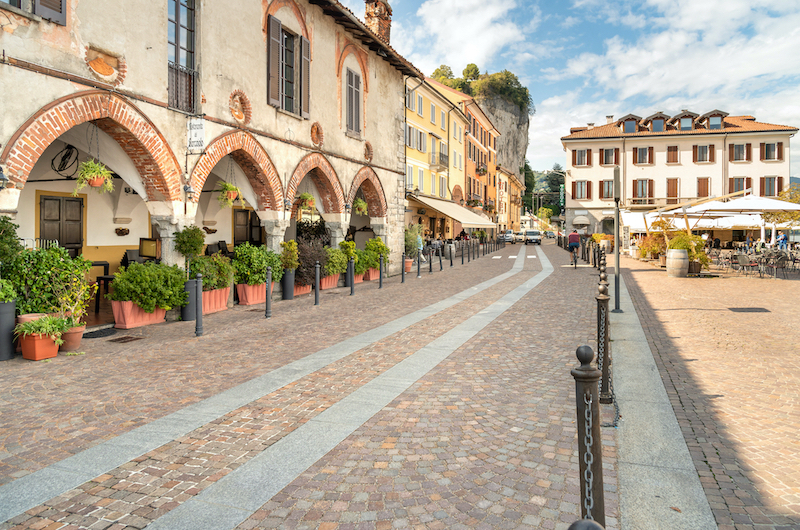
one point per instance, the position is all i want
(430, 261)
(585, 524)
(316, 284)
(603, 275)
(603, 351)
(380, 273)
(352, 266)
(451, 252)
(469, 251)
(418, 266)
(441, 268)
(198, 319)
(403, 270)
(590, 450)
(268, 308)
(462, 252)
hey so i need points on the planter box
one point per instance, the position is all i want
(329, 282)
(128, 315)
(215, 300)
(358, 278)
(253, 294)
(38, 347)
(301, 289)
(372, 274)
(695, 267)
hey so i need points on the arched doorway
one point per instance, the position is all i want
(366, 187)
(315, 176)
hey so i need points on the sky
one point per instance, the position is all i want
(585, 59)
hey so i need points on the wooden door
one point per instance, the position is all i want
(241, 226)
(61, 219)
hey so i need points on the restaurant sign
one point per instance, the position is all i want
(196, 137)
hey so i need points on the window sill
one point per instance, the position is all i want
(704, 162)
(289, 114)
(740, 161)
(673, 163)
(20, 12)
(354, 135)
(643, 164)
(772, 160)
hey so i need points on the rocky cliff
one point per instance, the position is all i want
(513, 126)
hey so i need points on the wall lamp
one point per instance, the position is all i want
(3, 180)
(347, 206)
(286, 204)
(189, 191)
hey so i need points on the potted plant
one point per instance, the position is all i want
(8, 306)
(95, 174)
(228, 193)
(412, 233)
(40, 338)
(362, 263)
(335, 266)
(309, 253)
(217, 274)
(250, 272)
(694, 247)
(144, 292)
(360, 206)
(376, 248)
(306, 201)
(349, 249)
(189, 243)
(289, 261)
(72, 287)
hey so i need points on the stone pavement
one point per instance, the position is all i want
(725, 349)
(480, 430)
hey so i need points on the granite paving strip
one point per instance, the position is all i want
(484, 440)
(729, 379)
(212, 406)
(233, 498)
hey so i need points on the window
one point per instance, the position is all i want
(443, 187)
(657, 125)
(703, 153)
(772, 151)
(460, 135)
(433, 184)
(740, 153)
(289, 70)
(460, 161)
(629, 126)
(607, 189)
(433, 114)
(672, 191)
(610, 156)
(582, 190)
(409, 176)
(739, 184)
(53, 10)
(411, 99)
(771, 186)
(421, 181)
(581, 157)
(703, 186)
(715, 122)
(672, 154)
(411, 136)
(420, 111)
(642, 155)
(421, 143)
(442, 120)
(353, 102)
(182, 77)
(686, 124)
(643, 191)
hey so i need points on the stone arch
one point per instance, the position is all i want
(322, 173)
(368, 181)
(158, 167)
(251, 157)
(458, 194)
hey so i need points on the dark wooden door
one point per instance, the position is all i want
(61, 219)
(241, 226)
(256, 232)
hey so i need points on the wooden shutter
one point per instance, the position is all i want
(650, 155)
(635, 155)
(589, 190)
(748, 152)
(589, 157)
(778, 186)
(616, 156)
(574, 161)
(274, 61)
(651, 187)
(694, 153)
(731, 185)
(763, 149)
(711, 153)
(54, 10)
(730, 152)
(779, 151)
(748, 184)
(574, 188)
(305, 77)
(763, 185)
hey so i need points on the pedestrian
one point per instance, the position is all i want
(419, 248)
(749, 242)
(781, 240)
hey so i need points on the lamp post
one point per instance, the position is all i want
(616, 240)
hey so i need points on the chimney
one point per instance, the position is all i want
(378, 17)
(609, 119)
(590, 126)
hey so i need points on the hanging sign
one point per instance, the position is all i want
(562, 196)
(196, 137)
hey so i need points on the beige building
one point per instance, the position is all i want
(178, 97)
(670, 159)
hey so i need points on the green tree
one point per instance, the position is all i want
(555, 178)
(442, 73)
(791, 194)
(471, 72)
(545, 213)
(505, 85)
(530, 184)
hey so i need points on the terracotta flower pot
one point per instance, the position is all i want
(128, 315)
(232, 195)
(215, 300)
(72, 338)
(358, 278)
(408, 263)
(301, 289)
(38, 347)
(253, 294)
(329, 282)
(96, 182)
(26, 318)
(372, 274)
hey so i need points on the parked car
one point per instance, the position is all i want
(550, 234)
(533, 236)
(519, 237)
(507, 236)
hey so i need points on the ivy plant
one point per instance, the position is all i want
(7, 292)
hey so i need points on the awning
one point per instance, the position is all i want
(580, 220)
(467, 218)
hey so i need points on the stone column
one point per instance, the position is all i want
(338, 232)
(275, 231)
(167, 225)
(9, 202)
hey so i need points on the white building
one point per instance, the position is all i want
(670, 159)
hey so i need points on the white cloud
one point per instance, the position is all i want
(568, 22)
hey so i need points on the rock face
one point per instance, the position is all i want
(512, 144)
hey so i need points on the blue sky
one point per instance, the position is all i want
(585, 59)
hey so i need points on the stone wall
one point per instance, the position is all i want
(512, 144)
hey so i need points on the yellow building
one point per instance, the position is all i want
(435, 162)
(516, 189)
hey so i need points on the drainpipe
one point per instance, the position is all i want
(725, 169)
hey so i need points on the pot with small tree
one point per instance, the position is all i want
(412, 236)
(308, 254)
(376, 248)
(306, 201)
(71, 284)
(250, 272)
(94, 174)
(8, 297)
(41, 338)
(217, 274)
(335, 266)
(189, 243)
(144, 292)
(289, 261)
(228, 193)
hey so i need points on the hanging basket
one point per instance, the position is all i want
(96, 182)
(232, 195)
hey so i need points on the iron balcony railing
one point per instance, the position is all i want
(653, 201)
(183, 88)
(439, 161)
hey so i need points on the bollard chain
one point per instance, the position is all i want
(601, 339)
(588, 457)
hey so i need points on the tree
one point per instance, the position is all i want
(471, 72)
(505, 85)
(441, 73)
(530, 184)
(545, 214)
(791, 194)
(555, 178)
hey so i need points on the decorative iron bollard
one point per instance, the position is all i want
(403, 269)
(603, 351)
(439, 251)
(198, 320)
(268, 308)
(380, 273)
(430, 261)
(585, 524)
(603, 275)
(316, 284)
(352, 267)
(590, 451)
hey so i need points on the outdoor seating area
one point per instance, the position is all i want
(772, 263)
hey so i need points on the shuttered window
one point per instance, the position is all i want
(772, 151)
(672, 154)
(354, 102)
(53, 10)
(740, 153)
(672, 191)
(288, 70)
(703, 186)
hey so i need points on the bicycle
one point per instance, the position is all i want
(574, 257)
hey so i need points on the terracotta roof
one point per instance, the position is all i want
(732, 125)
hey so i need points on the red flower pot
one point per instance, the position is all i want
(72, 338)
(38, 347)
(372, 274)
(358, 278)
(96, 182)
(128, 315)
(408, 263)
(329, 282)
(215, 300)
(301, 289)
(253, 294)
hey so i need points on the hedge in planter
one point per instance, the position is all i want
(250, 272)
(217, 274)
(149, 286)
(336, 265)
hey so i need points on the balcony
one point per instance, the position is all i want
(649, 203)
(439, 161)
(182, 88)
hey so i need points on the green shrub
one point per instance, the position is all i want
(189, 241)
(289, 256)
(250, 264)
(349, 249)
(217, 271)
(411, 233)
(9, 244)
(337, 261)
(379, 248)
(7, 292)
(309, 253)
(694, 246)
(150, 285)
(363, 261)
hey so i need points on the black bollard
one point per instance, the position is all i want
(268, 309)
(451, 251)
(585, 524)
(603, 275)
(352, 266)
(603, 350)
(430, 261)
(469, 251)
(348, 280)
(403, 270)
(441, 267)
(590, 450)
(462, 252)
(316, 284)
(380, 273)
(198, 319)
(419, 260)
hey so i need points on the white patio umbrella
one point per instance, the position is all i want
(751, 204)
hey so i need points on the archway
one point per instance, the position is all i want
(315, 176)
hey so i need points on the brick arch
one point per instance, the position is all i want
(371, 187)
(322, 173)
(458, 193)
(251, 157)
(272, 7)
(147, 148)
